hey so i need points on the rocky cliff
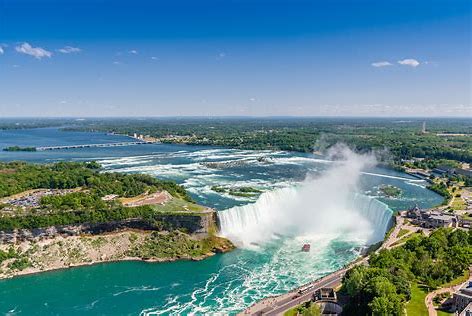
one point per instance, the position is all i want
(198, 224)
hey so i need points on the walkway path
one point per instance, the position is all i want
(428, 300)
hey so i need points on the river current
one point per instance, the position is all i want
(269, 260)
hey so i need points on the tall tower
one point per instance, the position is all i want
(423, 129)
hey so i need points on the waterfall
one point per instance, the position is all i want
(289, 211)
(323, 206)
(377, 212)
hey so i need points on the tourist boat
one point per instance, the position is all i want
(306, 248)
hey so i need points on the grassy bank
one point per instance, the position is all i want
(416, 306)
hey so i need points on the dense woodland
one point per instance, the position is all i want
(16, 177)
(383, 287)
(398, 139)
(85, 206)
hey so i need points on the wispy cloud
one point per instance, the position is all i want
(409, 62)
(2, 48)
(154, 58)
(36, 52)
(133, 51)
(381, 64)
(69, 50)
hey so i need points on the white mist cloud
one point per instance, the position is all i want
(409, 62)
(36, 52)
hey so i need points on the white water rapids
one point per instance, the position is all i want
(325, 205)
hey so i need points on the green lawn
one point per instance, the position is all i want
(416, 306)
(402, 232)
(406, 238)
(291, 312)
(176, 205)
(464, 277)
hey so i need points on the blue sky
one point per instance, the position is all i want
(254, 57)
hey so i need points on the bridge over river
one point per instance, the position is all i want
(92, 145)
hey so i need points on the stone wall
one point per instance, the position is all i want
(199, 225)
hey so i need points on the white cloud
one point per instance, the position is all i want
(154, 58)
(69, 50)
(409, 62)
(133, 51)
(381, 64)
(2, 48)
(117, 62)
(36, 52)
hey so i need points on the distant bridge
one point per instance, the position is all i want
(92, 145)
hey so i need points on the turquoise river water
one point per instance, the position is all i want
(305, 199)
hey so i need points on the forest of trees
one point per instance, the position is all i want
(84, 206)
(402, 139)
(383, 287)
(16, 177)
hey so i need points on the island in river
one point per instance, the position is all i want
(68, 214)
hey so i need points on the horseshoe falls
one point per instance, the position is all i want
(327, 204)
(272, 216)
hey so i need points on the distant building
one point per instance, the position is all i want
(326, 299)
(325, 294)
(431, 219)
(467, 311)
(447, 170)
(463, 299)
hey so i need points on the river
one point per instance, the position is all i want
(264, 265)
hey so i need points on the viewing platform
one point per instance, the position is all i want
(43, 148)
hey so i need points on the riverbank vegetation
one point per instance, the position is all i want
(237, 191)
(306, 309)
(390, 191)
(177, 245)
(402, 139)
(87, 205)
(18, 148)
(384, 287)
(59, 252)
(16, 177)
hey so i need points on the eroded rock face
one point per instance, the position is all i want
(198, 224)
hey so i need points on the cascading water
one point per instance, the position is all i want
(378, 214)
(326, 205)
(365, 217)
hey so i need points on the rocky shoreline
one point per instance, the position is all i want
(75, 251)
